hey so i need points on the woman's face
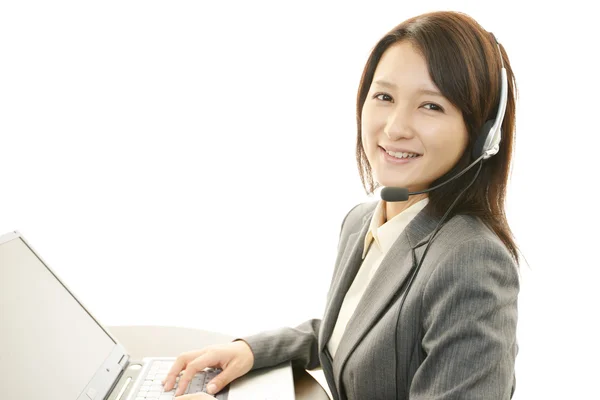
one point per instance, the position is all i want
(411, 134)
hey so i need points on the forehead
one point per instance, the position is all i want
(403, 64)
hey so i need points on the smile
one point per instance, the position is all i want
(398, 157)
(403, 155)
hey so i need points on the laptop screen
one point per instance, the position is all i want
(50, 347)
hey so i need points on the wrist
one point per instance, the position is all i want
(246, 348)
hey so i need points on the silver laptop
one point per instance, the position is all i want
(52, 348)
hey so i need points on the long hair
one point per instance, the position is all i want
(464, 63)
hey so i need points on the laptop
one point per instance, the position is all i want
(52, 348)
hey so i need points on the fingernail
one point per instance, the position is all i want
(212, 388)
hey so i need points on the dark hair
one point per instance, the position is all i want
(464, 63)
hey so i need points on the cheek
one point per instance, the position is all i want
(369, 127)
(447, 148)
(460, 145)
(365, 137)
(366, 134)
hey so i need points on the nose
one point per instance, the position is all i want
(398, 124)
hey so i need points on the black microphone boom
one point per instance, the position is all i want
(392, 194)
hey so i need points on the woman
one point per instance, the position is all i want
(422, 305)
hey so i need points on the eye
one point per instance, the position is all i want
(383, 97)
(433, 106)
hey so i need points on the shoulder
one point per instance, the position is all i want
(467, 253)
(357, 215)
(464, 231)
(354, 220)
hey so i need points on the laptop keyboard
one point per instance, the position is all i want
(152, 388)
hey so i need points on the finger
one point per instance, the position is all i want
(199, 364)
(179, 364)
(169, 381)
(223, 379)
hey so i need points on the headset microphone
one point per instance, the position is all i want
(392, 194)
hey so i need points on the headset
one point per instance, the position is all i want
(486, 145)
(488, 142)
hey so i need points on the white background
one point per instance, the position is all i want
(190, 163)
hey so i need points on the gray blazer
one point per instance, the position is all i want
(457, 328)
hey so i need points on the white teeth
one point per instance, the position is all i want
(402, 155)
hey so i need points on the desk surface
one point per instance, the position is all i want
(162, 341)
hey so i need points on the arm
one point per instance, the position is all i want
(299, 344)
(469, 323)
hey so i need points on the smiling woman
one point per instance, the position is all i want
(446, 66)
(398, 324)
(411, 134)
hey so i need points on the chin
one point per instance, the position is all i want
(391, 183)
(391, 180)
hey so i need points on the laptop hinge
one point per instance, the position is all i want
(124, 361)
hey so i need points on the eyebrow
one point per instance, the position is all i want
(383, 82)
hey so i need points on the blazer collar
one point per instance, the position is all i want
(419, 230)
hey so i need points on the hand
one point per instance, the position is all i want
(235, 359)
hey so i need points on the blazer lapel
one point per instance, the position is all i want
(388, 280)
(349, 266)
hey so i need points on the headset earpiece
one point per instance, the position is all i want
(478, 147)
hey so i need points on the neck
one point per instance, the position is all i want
(394, 208)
